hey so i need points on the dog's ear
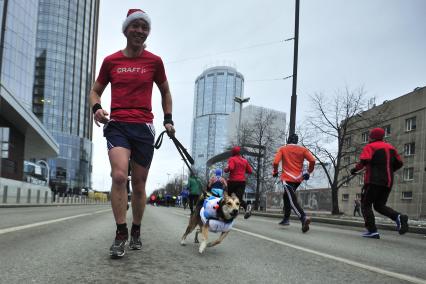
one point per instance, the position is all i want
(225, 194)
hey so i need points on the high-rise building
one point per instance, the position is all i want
(22, 135)
(215, 90)
(64, 72)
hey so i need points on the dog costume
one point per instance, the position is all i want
(209, 215)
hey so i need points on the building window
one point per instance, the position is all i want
(364, 137)
(345, 196)
(407, 195)
(410, 124)
(387, 129)
(408, 174)
(347, 141)
(409, 149)
(4, 142)
(346, 160)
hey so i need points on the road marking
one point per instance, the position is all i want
(23, 227)
(329, 256)
(346, 261)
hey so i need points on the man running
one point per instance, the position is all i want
(380, 160)
(292, 157)
(195, 188)
(130, 131)
(237, 168)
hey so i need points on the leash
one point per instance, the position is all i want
(186, 157)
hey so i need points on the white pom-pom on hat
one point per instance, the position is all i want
(134, 14)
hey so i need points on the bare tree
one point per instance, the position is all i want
(328, 134)
(260, 136)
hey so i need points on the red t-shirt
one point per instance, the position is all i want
(131, 84)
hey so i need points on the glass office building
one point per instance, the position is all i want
(215, 90)
(22, 135)
(64, 73)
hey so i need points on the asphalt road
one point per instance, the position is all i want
(70, 245)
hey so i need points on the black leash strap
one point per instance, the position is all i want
(182, 151)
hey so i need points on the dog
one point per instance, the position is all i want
(213, 214)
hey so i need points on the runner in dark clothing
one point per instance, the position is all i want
(381, 160)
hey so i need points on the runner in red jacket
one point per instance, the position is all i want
(380, 159)
(237, 169)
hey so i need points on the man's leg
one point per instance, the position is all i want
(368, 196)
(139, 177)
(380, 203)
(380, 206)
(119, 158)
(286, 210)
(191, 203)
(291, 195)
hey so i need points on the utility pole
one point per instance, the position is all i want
(293, 93)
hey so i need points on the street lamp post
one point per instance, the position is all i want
(240, 101)
(293, 93)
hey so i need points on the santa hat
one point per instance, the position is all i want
(377, 134)
(134, 14)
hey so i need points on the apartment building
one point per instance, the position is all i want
(404, 122)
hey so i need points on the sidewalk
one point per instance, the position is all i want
(416, 226)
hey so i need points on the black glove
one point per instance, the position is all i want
(275, 174)
(306, 176)
(353, 171)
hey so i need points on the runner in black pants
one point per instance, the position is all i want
(380, 159)
(237, 168)
(290, 201)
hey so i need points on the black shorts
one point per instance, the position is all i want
(137, 137)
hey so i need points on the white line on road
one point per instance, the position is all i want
(14, 229)
(329, 256)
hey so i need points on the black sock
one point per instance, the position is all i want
(136, 228)
(122, 228)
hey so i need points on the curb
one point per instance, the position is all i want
(343, 222)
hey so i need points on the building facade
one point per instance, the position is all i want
(64, 72)
(405, 128)
(215, 90)
(22, 135)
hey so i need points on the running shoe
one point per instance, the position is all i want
(305, 224)
(135, 241)
(284, 222)
(371, 235)
(402, 224)
(248, 212)
(118, 247)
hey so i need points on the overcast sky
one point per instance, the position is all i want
(380, 45)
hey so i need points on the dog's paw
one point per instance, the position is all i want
(202, 247)
(182, 243)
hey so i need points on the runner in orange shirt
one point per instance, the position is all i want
(292, 157)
